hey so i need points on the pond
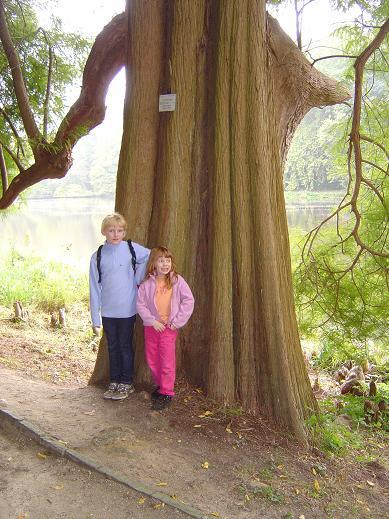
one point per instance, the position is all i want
(68, 229)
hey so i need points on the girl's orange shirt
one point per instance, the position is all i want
(163, 298)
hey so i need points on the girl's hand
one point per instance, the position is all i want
(158, 326)
(172, 327)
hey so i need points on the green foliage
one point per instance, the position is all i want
(332, 437)
(340, 305)
(48, 285)
(310, 161)
(266, 492)
(32, 43)
(340, 284)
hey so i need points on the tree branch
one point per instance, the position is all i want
(14, 130)
(18, 82)
(106, 58)
(355, 140)
(333, 56)
(3, 170)
(13, 157)
(369, 139)
(48, 85)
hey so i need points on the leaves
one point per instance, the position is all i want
(205, 465)
(205, 414)
(41, 455)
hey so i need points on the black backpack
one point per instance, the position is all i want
(133, 258)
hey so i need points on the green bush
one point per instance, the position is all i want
(49, 285)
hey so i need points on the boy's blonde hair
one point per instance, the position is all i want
(113, 219)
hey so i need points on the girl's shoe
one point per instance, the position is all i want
(162, 402)
(155, 394)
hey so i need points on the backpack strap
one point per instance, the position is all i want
(133, 255)
(133, 258)
(98, 259)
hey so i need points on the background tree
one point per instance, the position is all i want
(342, 279)
(206, 180)
(48, 61)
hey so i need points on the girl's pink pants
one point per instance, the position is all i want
(160, 349)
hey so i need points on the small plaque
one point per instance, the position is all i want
(167, 102)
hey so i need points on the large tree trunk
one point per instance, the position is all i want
(206, 181)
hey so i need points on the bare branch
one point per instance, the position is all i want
(333, 56)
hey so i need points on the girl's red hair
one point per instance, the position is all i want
(156, 253)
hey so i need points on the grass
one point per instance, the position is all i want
(32, 280)
(336, 438)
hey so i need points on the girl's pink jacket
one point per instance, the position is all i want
(182, 303)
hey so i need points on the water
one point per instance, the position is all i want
(68, 229)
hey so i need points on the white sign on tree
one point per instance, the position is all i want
(167, 102)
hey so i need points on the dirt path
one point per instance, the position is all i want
(223, 467)
(36, 485)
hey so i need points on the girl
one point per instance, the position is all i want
(165, 303)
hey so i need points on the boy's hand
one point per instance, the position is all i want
(158, 326)
(97, 330)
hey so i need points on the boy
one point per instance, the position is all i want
(115, 271)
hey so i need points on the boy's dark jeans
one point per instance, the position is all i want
(119, 332)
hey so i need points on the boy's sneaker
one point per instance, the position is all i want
(162, 402)
(122, 391)
(111, 390)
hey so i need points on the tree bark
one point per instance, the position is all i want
(206, 181)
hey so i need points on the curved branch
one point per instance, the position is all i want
(369, 139)
(13, 157)
(333, 56)
(298, 86)
(14, 130)
(355, 140)
(18, 82)
(374, 189)
(3, 171)
(106, 58)
(365, 161)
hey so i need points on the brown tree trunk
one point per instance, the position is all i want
(206, 181)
